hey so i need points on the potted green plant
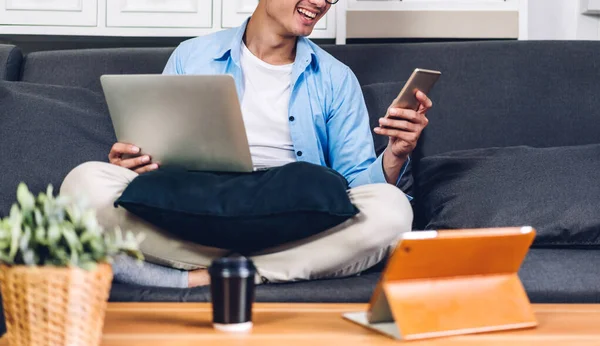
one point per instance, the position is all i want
(55, 270)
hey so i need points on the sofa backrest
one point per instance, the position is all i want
(497, 93)
(11, 59)
(83, 68)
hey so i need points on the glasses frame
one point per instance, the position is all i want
(332, 2)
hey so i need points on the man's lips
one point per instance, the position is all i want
(309, 14)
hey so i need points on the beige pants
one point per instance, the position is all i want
(345, 250)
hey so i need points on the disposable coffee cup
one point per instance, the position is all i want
(232, 293)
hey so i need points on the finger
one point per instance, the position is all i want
(398, 124)
(409, 115)
(410, 137)
(424, 100)
(135, 162)
(147, 168)
(119, 149)
(404, 114)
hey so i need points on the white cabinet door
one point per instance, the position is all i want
(234, 12)
(49, 12)
(159, 13)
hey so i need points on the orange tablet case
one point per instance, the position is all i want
(441, 283)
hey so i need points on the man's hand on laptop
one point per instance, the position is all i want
(403, 127)
(120, 155)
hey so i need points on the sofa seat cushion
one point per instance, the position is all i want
(555, 190)
(548, 275)
(356, 289)
(562, 276)
(245, 213)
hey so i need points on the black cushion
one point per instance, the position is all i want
(555, 190)
(46, 131)
(244, 213)
(378, 98)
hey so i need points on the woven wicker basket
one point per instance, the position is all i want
(54, 306)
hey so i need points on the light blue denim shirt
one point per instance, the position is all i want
(329, 122)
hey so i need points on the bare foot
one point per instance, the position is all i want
(198, 277)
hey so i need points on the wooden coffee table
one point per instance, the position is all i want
(179, 324)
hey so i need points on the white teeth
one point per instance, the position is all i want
(307, 13)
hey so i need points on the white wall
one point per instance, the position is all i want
(560, 20)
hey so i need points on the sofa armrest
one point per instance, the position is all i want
(11, 58)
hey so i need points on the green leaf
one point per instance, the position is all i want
(5, 230)
(87, 236)
(24, 197)
(89, 221)
(29, 257)
(15, 217)
(15, 236)
(97, 248)
(86, 257)
(61, 257)
(133, 253)
(25, 237)
(74, 244)
(4, 245)
(40, 236)
(41, 199)
(74, 215)
(28, 217)
(5, 259)
(89, 266)
(39, 219)
(50, 191)
(53, 234)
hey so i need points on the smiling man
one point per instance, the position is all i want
(299, 104)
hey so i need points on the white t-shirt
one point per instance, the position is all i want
(265, 104)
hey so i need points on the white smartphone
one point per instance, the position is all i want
(420, 80)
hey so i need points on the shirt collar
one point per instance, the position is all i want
(305, 54)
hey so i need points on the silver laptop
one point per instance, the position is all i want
(186, 121)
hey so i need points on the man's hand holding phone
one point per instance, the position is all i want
(128, 156)
(404, 126)
(405, 121)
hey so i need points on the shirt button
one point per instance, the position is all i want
(299, 153)
(292, 118)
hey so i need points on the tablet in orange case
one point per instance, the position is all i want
(442, 283)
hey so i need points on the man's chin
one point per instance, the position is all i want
(304, 32)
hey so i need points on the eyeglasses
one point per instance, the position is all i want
(332, 2)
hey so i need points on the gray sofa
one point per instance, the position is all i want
(492, 94)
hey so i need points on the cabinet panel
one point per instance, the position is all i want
(49, 12)
(48, 5)
(234, 12)
(159, 13)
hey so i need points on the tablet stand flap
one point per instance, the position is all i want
(461, 305)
